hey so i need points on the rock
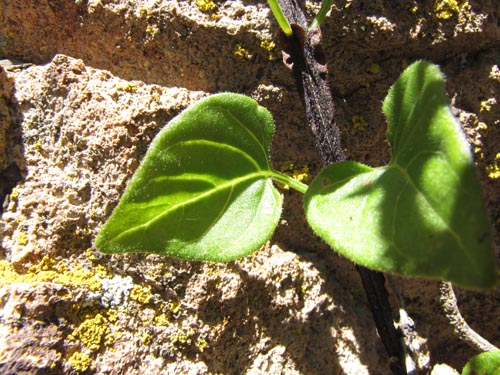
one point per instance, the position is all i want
(88, 85)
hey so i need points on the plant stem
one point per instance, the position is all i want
(303, 55)
(448, 301)
(290, 181)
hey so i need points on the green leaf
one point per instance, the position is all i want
(203, 190)
(423, 214)
(487, 363)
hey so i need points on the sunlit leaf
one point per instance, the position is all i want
(203, 190)
(423, 214)
(487, 363)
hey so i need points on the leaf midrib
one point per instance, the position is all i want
(262, 174)
(410, 181)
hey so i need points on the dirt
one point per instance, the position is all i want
(85, 86)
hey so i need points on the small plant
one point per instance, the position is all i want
(204, 190)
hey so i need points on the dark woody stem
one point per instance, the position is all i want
(303, 55)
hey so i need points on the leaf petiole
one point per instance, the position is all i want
(290, 181)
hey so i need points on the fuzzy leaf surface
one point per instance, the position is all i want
(423, 214)
(487, 363)
(203, 190)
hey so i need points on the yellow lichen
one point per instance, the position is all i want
(270, 47)
(90, 254)
(22, 239)
(92, 332)
(298, 173)
(161, 320)
(127, 87)
(80, 361)
(486, 105)
(495, 73)
(50, 271)
(493, 170)
(359, 122)
(482, 127)
(302, 174)
(14, 194)
(202, 344)
(183, 339)
(174, 307)
(478, 152)
(374, 68)
(445, 9)
(146, 339)
(141, 294)
(143, 11)
(242, 52)
(206, 6)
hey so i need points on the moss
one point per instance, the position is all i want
(80, 361)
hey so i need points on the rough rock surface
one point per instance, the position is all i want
(85, 86)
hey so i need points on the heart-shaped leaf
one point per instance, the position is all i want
(487, 363)
(423, 214)
(203, 190)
